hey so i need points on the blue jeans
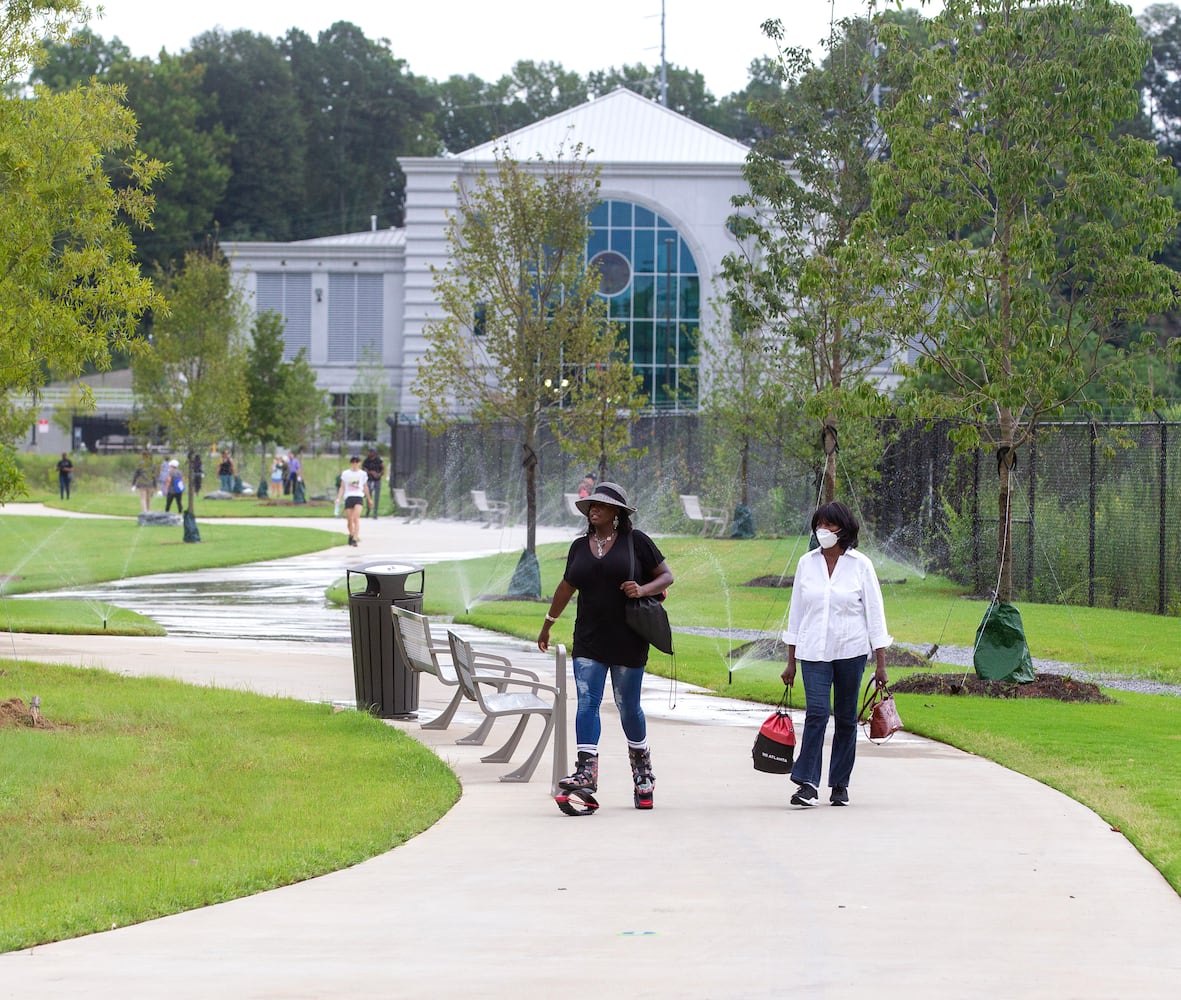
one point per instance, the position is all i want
(841, 679)
(590, 678)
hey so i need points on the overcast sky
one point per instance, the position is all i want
(439, 38)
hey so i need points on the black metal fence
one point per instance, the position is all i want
(1096, 517)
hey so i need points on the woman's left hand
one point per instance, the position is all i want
(630, 588)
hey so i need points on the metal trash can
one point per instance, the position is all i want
(385, 684)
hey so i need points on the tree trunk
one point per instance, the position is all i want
(530, 463)
(1005, 463)
(829, 441)
(745, 473)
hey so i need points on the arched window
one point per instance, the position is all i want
(650, 278)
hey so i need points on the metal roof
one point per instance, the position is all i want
(389, 238)
(622, 127)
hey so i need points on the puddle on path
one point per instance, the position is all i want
(273, 600)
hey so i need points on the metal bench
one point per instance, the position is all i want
(426, 654)
(415, 506)
(492, 511)
(713, 522)
(490, 692)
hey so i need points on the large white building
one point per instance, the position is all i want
(659, 235)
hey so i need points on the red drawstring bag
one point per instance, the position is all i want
(775, 746)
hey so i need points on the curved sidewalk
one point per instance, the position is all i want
(948, 877)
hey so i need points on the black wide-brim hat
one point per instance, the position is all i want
(611, 493)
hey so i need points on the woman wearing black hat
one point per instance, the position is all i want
(599, 570)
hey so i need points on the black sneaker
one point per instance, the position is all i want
(805, 796)
(839, 796)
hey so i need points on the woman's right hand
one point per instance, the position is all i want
(789, 672)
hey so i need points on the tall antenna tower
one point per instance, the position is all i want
(663, 62)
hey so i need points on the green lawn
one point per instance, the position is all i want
(43, 553)
(152, 797)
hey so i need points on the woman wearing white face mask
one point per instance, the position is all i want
(836, 617)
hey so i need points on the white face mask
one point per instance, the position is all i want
(826, 538)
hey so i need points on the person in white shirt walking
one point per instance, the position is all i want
(836, 618)
(354, 491)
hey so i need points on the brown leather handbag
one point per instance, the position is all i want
(879, 715)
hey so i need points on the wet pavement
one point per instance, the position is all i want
(283, 599)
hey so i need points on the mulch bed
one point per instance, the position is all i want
(1054, 686)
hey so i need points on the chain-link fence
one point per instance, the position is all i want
(1096, 513)
(1096, 508)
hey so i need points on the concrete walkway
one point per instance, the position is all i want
(948, 876)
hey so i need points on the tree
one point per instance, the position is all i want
(284, 403)
(744, 406)
(371, 397)
(75, 61)
(598, 433)
(794, 280)
(1019, 225)
(1161, 81)
(262, 420)
(520, 308)
(70, 293)
(171, 110)
(191, 385)
(684, 89)
(303, 405)
(362, 110)
(250, 93)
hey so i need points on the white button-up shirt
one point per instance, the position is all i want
(836, 617)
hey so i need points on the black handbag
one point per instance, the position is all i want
(646, 615)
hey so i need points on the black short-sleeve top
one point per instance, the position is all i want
(600, 632)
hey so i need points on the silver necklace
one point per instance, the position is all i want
(602, 543)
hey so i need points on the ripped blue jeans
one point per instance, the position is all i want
(590, 678)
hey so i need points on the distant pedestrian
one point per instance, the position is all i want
(197, 468)
(226, 472)
(375, 468)
(174, 488)
(65, 475)
(295, 477)
(354, 491)
(143, 481)
(587, 486)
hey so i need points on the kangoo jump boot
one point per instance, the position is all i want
(645, 780)
(580, 786)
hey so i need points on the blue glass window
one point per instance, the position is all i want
(659, 311)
